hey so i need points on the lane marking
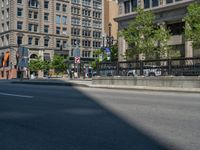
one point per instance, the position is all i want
(15, 95)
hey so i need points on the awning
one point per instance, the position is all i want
(6, 58)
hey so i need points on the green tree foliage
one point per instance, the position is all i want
(58, 63)
(192, 21)
(36, 65)
(114, 52)
(144, 37)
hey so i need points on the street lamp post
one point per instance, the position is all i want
(110, 38)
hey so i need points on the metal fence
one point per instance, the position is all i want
(162, 67)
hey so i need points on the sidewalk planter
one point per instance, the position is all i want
(161, 81)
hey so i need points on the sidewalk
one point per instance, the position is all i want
(88, 83)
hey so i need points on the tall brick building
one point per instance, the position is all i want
(48, 27)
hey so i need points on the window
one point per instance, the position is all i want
(30, 26)
(75, 31)
(169, 1)
(64, 44)
(35, 15)
(127, 7)
(155, 3)
(86, 2)
(57, 19)
(97, 24)
(46, 4)
(30, 14)
(19, 12)
(86, 33)
(58, 43)
(19, 1)
(35, 28)
(146, 4)
(133, 4)
(46, 28)
(97, 4)
(96, 44)
(58, 6)
(2, 25)
(36, 41)
(75, 42)
(46, 42)
(75, 21)
(7, 12)
(19, 25)
(64, 19)
(97, 14)
(30, 39)
(57, 30)
(19, 40)
(65, 31)
(33, 3)
(64, 8)
(86, 43)
(75, 10)
(75, 1)
(2, 15)
(86, 12)
(86, 23)
(7, 25)
(86, 53)
(46, 16)
(96, 34)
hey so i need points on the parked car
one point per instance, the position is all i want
(149, 70)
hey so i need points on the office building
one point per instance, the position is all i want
(48, 27)
(169, 13)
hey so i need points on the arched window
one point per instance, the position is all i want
(33, 56)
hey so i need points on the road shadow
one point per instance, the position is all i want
(64, 118)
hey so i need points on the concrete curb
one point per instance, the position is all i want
(139, 88)
(121, 87)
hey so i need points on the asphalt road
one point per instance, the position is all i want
(36, 117)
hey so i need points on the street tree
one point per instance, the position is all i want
(114, 52)
(144, 36)
(59, 64)
(36, 65)
(192, 24)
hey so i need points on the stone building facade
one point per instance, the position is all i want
(111, 11)
(48, 27)
(169, 13)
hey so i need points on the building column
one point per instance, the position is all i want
(121, 49)
(188, 45)
(188, 49)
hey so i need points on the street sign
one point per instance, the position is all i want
(77, 60)
(107, 50)
(108, 53)
(23, 57)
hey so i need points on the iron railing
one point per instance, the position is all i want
(176, 67)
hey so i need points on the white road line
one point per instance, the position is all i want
(15, 95)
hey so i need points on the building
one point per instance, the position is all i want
(48, 27)
(111, 11)
(169, 13)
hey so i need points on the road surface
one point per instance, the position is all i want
(34, 117)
